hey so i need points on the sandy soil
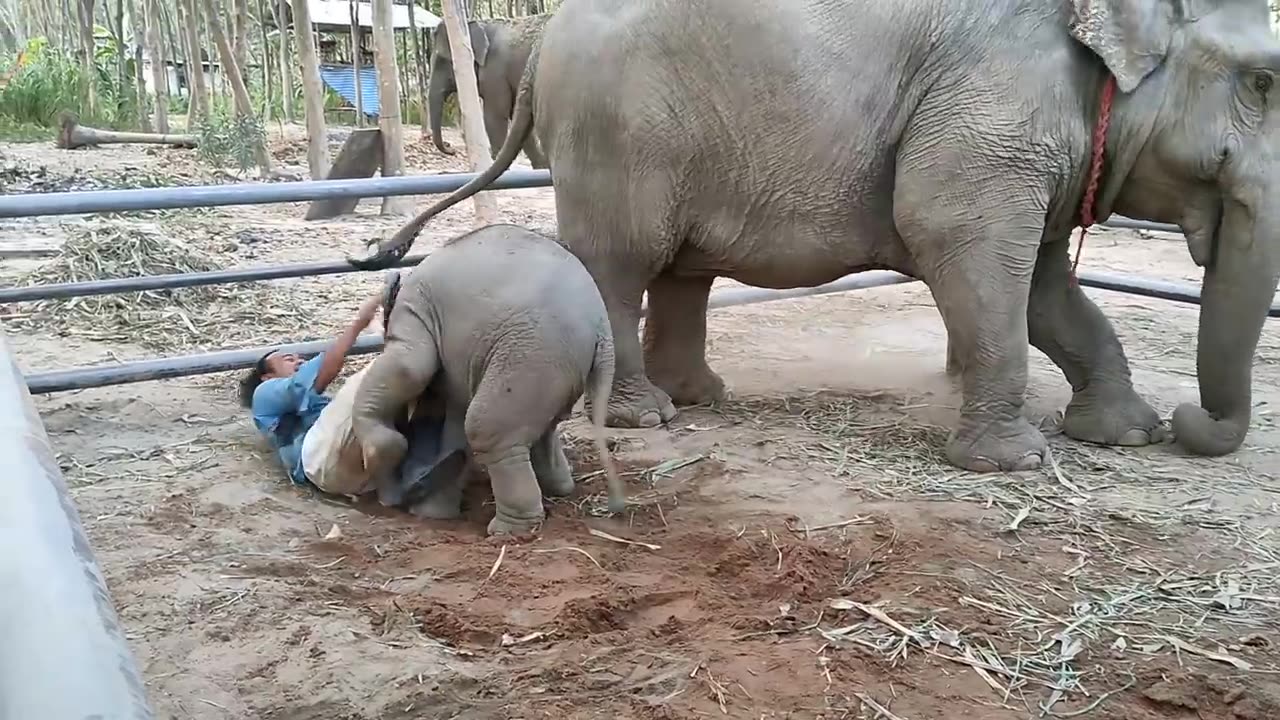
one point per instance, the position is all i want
(809, 553)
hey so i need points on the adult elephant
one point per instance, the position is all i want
(501, 49)
(787, 144)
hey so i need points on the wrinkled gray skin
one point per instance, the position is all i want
(945, 139)
(501, 49)
(510, 329)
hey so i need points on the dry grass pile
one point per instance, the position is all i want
(211, 316)
(1118, 599)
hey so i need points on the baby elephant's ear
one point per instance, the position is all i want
(1131, 36)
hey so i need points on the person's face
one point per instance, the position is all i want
(282, 364)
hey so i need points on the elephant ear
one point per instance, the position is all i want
(479, 42)
(1131, 36)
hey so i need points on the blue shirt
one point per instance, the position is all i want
(284, 409)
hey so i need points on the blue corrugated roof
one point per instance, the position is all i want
(342, 79)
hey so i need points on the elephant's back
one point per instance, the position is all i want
(507, 271)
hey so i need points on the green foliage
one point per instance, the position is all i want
(226, 139)
(52, 81)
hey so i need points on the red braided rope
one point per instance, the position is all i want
(1095, 167)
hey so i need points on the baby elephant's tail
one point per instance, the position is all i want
(599, 384)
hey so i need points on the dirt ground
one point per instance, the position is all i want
(802, 551)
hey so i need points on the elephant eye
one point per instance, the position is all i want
(1262, 82)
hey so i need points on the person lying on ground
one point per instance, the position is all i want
(311, 432)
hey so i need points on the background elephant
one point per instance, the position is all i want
(508, 328)
(501, 50)
(950, 140)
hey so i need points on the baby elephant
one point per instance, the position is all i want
(511, 330)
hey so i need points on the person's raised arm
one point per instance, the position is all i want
(336, 355)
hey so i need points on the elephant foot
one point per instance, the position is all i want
(1109, 415)
(1002, 446)
(504, 525)
(696, 386)
(644, 406)
(382, 447)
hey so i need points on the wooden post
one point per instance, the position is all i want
(419, 66)
(384, 56)
(286, 77)
(159, 74)
(196, 86)
(356, 62)
(473, 134)
(312, 90)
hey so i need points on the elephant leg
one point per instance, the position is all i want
(634, 401)
(614, 224)
(977, 258)
(497, 114)
(394, 379)
(533, 151)
(551, 466)
(510, 412)
(955, 364)
(675, 340)
(1065, 324)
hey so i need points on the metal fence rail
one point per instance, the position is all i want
(63, 652)
(98, 201)
(173, 367)
(171, 198)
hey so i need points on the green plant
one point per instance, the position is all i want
(52, 81)
(229, 139)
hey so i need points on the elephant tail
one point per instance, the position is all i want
(390, 251)
(599, 385)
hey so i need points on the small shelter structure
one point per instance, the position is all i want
(332, 22)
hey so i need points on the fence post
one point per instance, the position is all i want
(63, 654)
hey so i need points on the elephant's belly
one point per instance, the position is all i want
(792, 257)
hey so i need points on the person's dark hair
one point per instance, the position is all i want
(252, 379)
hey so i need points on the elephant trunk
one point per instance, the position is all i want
(1239, 285)
(438, 92)
(393, 381)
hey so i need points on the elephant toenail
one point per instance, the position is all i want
(1136, 437)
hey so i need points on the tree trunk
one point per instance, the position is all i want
(159, 74)
(231, 71)
(240, 38)
(286, 76)
(199, 90)
(138, 24)
(357, 64)
(384, 57)
(268, 87)
(312, 91)
(115, 26)
(85, 15)
(473, 133)
(419, 67)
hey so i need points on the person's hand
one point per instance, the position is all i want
(369, 309)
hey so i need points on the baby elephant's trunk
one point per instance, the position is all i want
(599, 384)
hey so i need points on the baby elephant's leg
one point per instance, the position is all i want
(551, 466)
(508, 416)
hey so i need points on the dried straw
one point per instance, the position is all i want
(184, 318)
